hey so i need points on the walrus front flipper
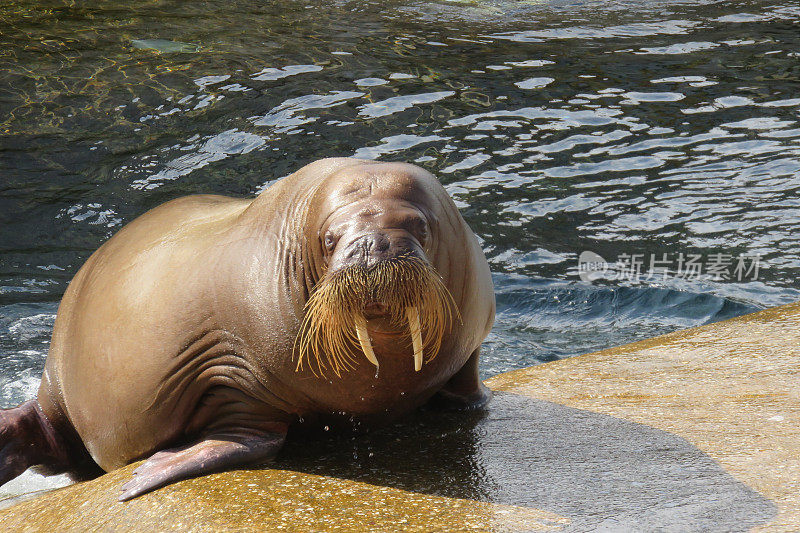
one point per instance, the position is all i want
(209, 455)
(28, 439)
(465, 390)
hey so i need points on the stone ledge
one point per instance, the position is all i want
(697, 430)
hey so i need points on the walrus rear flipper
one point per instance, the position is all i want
(208, 455)
(27, 438)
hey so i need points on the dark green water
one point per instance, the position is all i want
(558, 127)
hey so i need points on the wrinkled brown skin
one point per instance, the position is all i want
(179, 331)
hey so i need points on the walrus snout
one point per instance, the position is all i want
(370, 249)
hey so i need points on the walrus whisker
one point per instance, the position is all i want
(334, 327)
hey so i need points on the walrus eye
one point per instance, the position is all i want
(422, 235)
(330, 243)
(419, 229)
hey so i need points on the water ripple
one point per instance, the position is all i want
(397, 104)
(667, 27)
(290, 113)
(216, 148)
(534, 83)
(395, 143)
(272, 74)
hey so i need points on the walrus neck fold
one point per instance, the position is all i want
(292, 229)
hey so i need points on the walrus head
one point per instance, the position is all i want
(377, 278)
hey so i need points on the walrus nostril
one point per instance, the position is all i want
(381, 243)
(375, 242)
(368, 249)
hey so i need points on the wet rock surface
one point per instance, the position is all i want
(692, 431)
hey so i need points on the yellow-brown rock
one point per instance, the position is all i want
(695, 430)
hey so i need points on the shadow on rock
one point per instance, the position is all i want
(601, 472)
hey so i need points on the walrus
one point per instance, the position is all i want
(206, 328)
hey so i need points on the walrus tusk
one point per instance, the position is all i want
(416, 336)
(363, 340)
